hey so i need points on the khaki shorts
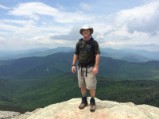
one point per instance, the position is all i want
(88, 81)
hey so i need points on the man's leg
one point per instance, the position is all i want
(84, 102)
(92, 100)
(92, 92)
(83, 91)
(91, 85)
(82, 85)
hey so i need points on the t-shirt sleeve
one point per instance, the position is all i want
(96, 47)
(77, 49)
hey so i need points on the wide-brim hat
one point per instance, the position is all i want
(86, 28)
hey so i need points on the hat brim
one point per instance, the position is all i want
(91, 30)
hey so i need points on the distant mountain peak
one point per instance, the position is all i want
(105, 110)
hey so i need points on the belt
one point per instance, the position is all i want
(86, 69)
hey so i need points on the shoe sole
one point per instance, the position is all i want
(92, 110)
(83, 107)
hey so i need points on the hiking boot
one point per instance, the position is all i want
(92, 105)
(83, 103)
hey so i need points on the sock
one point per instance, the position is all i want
(92, 97)
(83, 95)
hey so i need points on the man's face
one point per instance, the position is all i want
(86, 33)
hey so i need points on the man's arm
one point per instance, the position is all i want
(95, 69)
(75, 58)
(97, 59)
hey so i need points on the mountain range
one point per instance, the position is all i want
(60, 63)
(129, 55)
(33, 82)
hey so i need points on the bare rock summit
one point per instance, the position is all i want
(105, 110)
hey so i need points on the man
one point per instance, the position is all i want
(87, 53)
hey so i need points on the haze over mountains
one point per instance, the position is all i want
(123, 54)
(41, 63)
(60, 63)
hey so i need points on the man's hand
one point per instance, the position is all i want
(95, 70)
(73, 69)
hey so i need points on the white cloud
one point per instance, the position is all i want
(24, 34)
(47, 26)
(14, 21)
(33, 10)
(72, 35)
(131, 28)
(143, 18)
(4, 7)
(7, 27)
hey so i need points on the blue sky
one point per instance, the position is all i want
(118, 24)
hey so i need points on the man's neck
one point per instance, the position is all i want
(87, 38)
